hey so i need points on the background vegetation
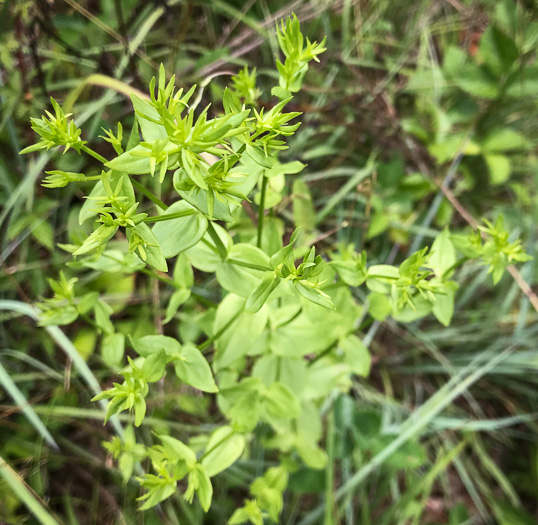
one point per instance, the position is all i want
(421, 115)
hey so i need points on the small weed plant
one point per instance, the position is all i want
(284, 335)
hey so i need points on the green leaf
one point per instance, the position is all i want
(59, 316)
(198, 199)
(103, 311)
(183, 274)
(204, 489)
(177, 450)
(153, 344)
(443, 253)
(258, 156)
(241, 336)
(455, 58)
(177, 235)
(43, 233)
(505, 139)
(304, 214)
(154, 366)
(352, 272)
(477, 82)
(176, 300)
(193, 369)
(90, 203)
(498, 50)
(151, 131)
(204, 256)
(356, 355)
(154, 255)
(133, 163)
(225, 446)
(422, 307)
(314, 295)
(443, 307)
(112, 349)
(499, 168)
(245, 412)
(449, 148)
(378, 224)
(259, 295)
(239, 279)
(379, 306)
(281, 403)
(139, 410)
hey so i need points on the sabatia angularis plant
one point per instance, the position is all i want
(284, 334)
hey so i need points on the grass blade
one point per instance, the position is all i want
(67, 346)
(420, 419)
(18, 397)
(23, 492)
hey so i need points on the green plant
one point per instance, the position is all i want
(284, 332)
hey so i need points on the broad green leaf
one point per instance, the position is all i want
(84, 342)
(193, 369)
(301, 335)
(43, 233)
(112, 349)
(455, 58)
(288, 168)
(356, 355)
(224, 448)
(102, 312)
(240, 279)
(351, 272)
(443, 253)
(59, 316)
(314, 295)
(198, 199)
(132, 163)
(153, 367)
(240, 337)
(408, 314)
(443, 307)
(313, 456)
(177, 235)
(204, 256)
(448, 149)
(259, 157)
(176, 300)
(178, 450)
(289, 371)
(499, 168)
(150, 130)
(498, 50)
(505, 139)
(323, 377)
(477, 82)
(183, 274)
(378, 224)
(281, 403)
(379, 305)
(245, 412)
(152, 344)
